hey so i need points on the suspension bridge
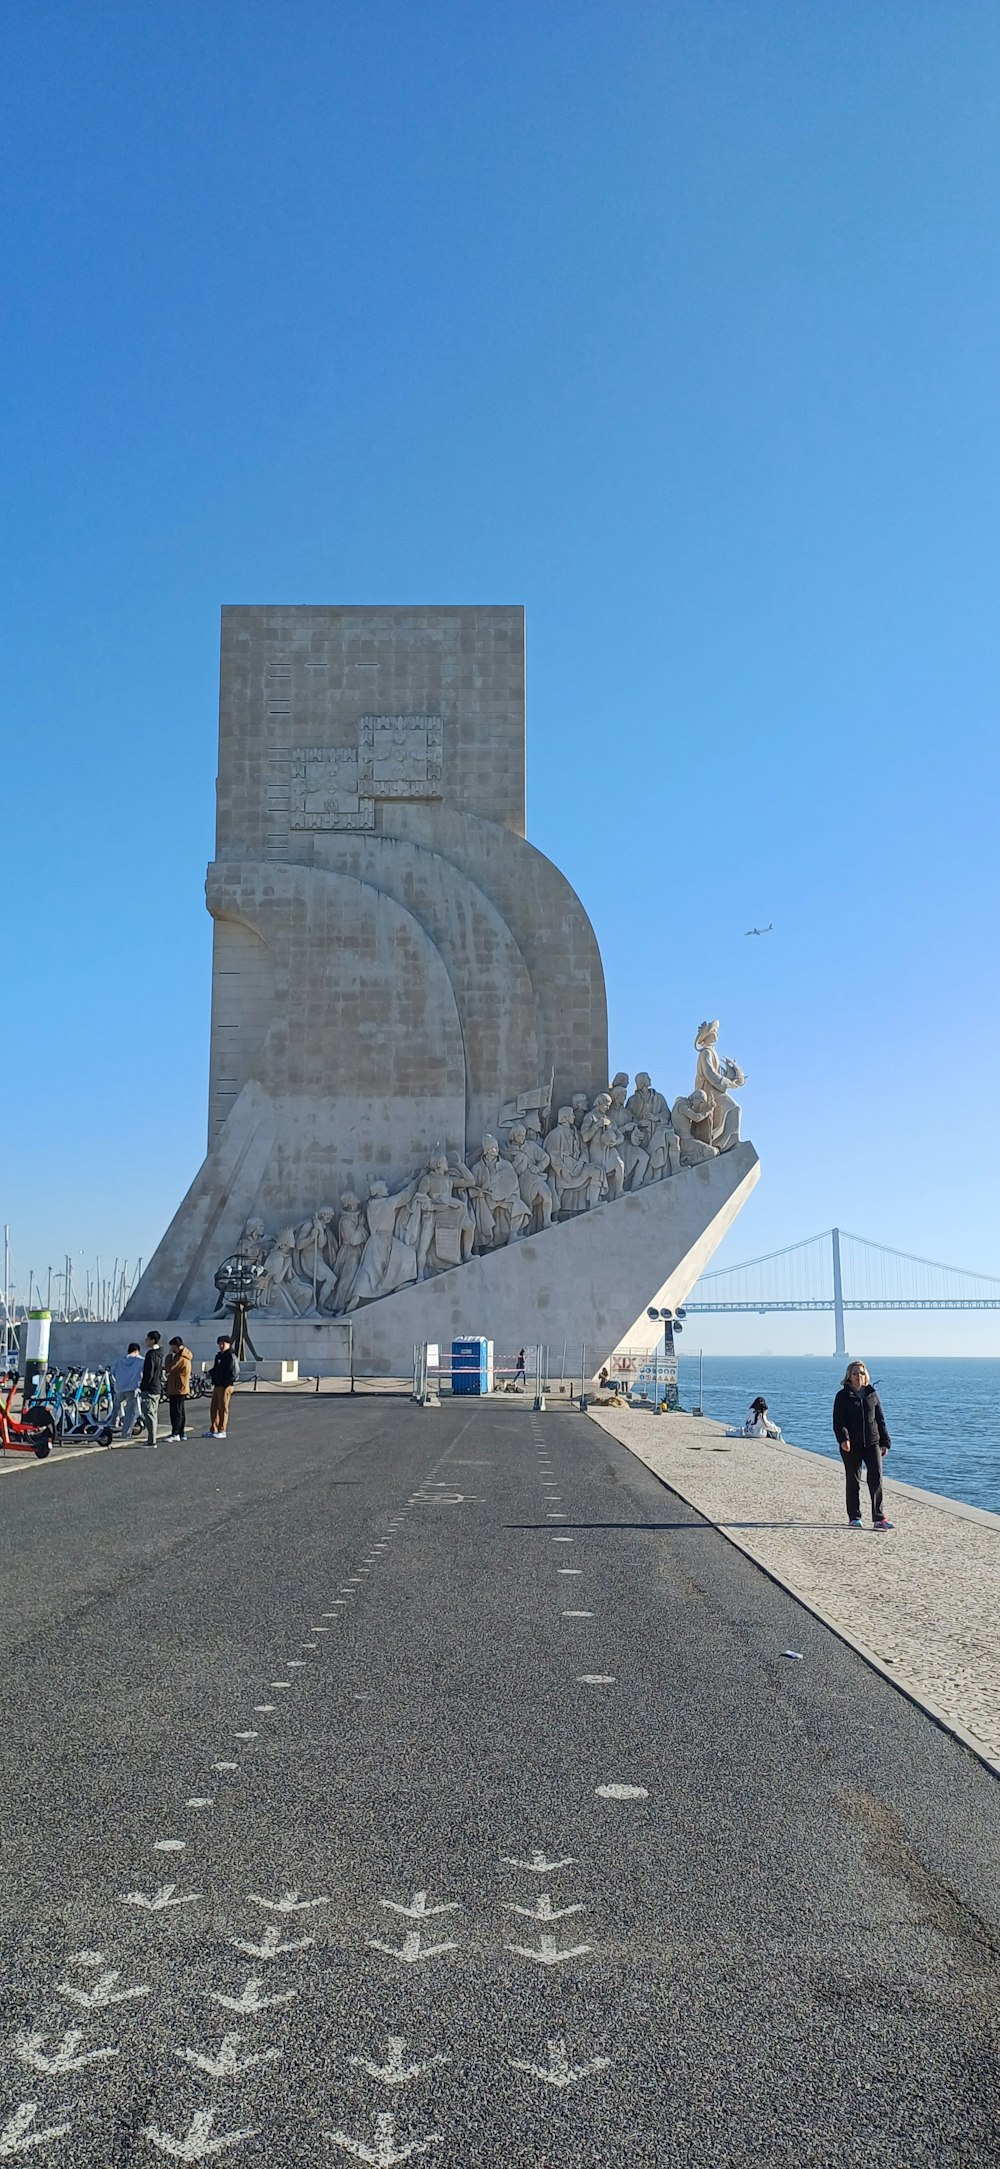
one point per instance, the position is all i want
(839, 1272)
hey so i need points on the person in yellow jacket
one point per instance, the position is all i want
(178, 1383)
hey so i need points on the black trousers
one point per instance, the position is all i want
(178, 1407)
(872, 1458)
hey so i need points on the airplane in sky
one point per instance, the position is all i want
(758, 930)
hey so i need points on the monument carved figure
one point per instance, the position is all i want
(530, 1162)
(408, 1009)
(691, 1114)
(501, 1213)
(714, 1078)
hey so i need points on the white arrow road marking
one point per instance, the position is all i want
(289, 1902)
(270, 1945)
(29, 2048)
(384, 2150)
(559, 2071)
(545, 1910)
(197, 2143)
(227, 2063)
(157, 1901)
(413, 1951)
(418, 1908)
(103, 1991)
(394, 2072)
(621, 1792)
(251, 2001)
(596, 1679)
(13, 2137)
(538, 1865)
(547, 1953)
(170, 1845)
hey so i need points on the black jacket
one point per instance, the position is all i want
(152, 1371)
(858, 1420)
(225, 1369)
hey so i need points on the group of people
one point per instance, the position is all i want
(859, 1427)
(144, 1377)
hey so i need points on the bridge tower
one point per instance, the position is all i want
(838, 1296)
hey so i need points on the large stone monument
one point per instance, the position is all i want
(411, 1125)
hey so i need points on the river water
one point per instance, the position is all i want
(943, 1413)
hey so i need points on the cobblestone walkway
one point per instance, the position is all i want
(923, 1601)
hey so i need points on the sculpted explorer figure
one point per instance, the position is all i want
(280, 1287)
(501, 1213)
(575, 1182)
(599, 1138)
(352, 1235)
(649, 1113)
(389, 1258)
(530, 1163)
(313, 1260)
(631, 1146)
(691, 1114)
(714, 1079)
(447, 1222)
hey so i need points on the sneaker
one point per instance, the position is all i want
(222, 1434)
(881, 1523)
(208, 1434)
(175, 1438)
(855, 1522)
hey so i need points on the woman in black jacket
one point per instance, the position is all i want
(860, 1432)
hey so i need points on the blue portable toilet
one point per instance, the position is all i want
(472, 1365)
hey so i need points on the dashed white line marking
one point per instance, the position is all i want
(246, 1735)
(596, 1679)
(225, 1765)
(569, 1570)
(169, 1845)
(621, 1792)
(294, 1664)
(275, 1683)
(578, 1615)
(264, 1709)
(564, 1540)
(200, 1800)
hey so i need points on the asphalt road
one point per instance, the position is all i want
(388, 1784)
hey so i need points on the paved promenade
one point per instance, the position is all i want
(390, 1785)
(923, 1601)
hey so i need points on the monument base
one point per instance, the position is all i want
(584, 1285)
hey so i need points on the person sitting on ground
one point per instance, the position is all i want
(757, 1422)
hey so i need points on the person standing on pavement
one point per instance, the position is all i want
(224, 1374)
(859, 1428)
(519, 1370)
(151, 1386)
(179, 1360)
(126, 1372)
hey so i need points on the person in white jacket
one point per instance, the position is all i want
(757, 1423)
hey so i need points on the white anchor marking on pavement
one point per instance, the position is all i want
(251, 2001)
(289, 1902)
(103, 1989)
(413, 1950)
(197, 2143)
(547, 1953)
(270, 1945)
(538, 1865)
(29, 2048)
(384, 2150)
(545, 1910)
(621, 1792)
(394, 2072)
(14, 2137)
(559, 2071)
(157, 1901)
(227, 2063)
(418, 1908)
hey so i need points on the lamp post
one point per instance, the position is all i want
(673, 1322)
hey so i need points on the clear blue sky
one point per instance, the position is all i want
(679, 324)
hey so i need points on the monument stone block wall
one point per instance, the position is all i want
(398, 975)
